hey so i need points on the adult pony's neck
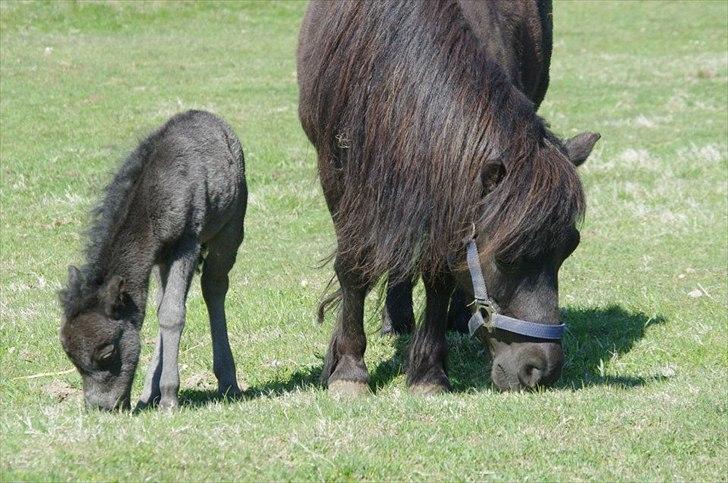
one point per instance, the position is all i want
(408, 110)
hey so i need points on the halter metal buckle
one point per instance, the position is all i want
(485, 307)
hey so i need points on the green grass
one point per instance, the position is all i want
(643, 395)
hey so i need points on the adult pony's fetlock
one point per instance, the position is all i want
(427, 373)
(344, 369)
(181, 189)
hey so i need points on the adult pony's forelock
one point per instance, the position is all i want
(408, 109)
(538, 201)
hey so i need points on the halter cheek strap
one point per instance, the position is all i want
(486, 319)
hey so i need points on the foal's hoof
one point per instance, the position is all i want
(168, 404)
(230, 392)
(429, 389)
(348, 389)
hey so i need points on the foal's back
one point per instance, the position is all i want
(195, 177)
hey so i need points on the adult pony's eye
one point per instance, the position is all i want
(105, 355)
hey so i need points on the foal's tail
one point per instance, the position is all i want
(332, 299)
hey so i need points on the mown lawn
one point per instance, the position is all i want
(643, 395)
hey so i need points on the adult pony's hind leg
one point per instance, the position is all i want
(344, 370)
(458, 314)
(397, 314)
(222, 251)
(426, 372)
(172, 312)
(150, 393)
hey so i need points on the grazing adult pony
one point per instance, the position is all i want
(425, 148)
(518, 37)
(178, 200)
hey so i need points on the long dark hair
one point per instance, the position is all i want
(409, 108)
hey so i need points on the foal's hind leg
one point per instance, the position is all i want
(172, 318)
(344, 369)
(426, 371)
(218, 262)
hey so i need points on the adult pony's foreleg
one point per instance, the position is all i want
(426, 372)
(344, 370)
(397, 315)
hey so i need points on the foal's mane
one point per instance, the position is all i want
(409, 109)
(106, 218)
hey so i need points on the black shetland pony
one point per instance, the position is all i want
(424, 140)
(521, 45)
(178, 200)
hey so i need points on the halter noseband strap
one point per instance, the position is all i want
(485, 314)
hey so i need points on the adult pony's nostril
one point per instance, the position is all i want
(531, 373)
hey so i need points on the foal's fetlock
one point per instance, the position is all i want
(229, 390)
(147, 402)
(169, 397)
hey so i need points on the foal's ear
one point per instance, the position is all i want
(580, 146)
(74, 276)
(112, 295)
(491, 175)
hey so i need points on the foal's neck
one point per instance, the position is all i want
(131, 253)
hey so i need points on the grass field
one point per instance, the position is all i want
(644, 392)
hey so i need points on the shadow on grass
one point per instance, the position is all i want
(594, 336)
(304, 378)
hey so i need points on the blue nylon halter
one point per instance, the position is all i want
(485, 315)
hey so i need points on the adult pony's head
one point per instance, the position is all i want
(532, 203)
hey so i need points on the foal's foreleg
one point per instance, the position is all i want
(172, 319)
(150, 393)
(426, 372)
(344, 369)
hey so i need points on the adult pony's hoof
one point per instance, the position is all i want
(348, 389)
(429, 389)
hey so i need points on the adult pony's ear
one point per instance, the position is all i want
(112, 296)
(580, 146)
(491, 174)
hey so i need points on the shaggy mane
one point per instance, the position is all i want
(409, 108)
(106, 219)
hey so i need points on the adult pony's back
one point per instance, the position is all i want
(423, 137)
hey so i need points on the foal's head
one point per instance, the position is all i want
(101, 337)
(528, 231)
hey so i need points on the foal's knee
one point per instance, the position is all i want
(172, 317)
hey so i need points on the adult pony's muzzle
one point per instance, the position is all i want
(525, 366)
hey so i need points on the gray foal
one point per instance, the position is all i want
(178, 201)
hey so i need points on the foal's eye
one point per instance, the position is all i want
(105, 355)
